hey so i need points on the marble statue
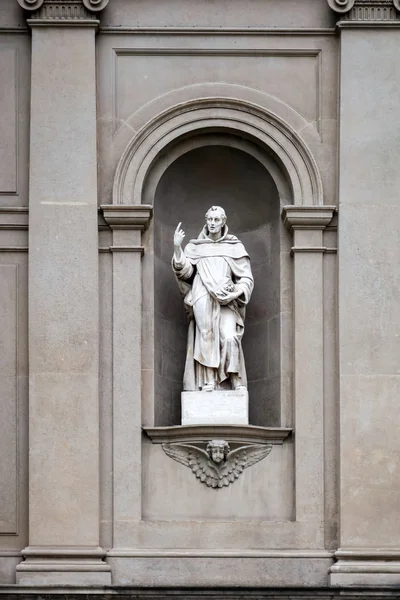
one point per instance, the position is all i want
(216, 282)
(217, 466)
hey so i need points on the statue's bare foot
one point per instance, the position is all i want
(240, 387)
(208, 387)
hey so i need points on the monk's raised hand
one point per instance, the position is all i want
(178, 236)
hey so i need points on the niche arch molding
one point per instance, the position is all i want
(229, 115)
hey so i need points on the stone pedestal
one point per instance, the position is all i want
(215, 408)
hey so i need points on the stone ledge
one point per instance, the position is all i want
(13, 592)
(127, 216)
(230, 433)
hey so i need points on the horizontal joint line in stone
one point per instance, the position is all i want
(190, 553)
(218, 30)
(63, 22)
(127, 249)
(13, 248)
(6, 29)
(14, 226)
(368, 24)
(155, 51)
(322, 249)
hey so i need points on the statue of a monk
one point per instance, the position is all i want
(215, 279)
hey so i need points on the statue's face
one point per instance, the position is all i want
(214, 221)
(217, 453)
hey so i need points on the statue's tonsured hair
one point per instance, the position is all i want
(219, 209)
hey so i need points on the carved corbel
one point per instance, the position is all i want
(216, 465)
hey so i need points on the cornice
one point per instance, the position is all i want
(366, 11)
(65, 12)
(237, 434)
(307, 217)
(124, 216)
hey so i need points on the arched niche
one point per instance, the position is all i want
(266, 138)
(218, 166)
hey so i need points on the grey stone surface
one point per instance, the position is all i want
(233, 104)
(196, 593)
(220, 407)
(14, 111)
(309, 14)
(215, 571)
(368, 315)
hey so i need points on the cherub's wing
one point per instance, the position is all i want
(194, 458)
(202, 467)
(181, 452)
(245, 456)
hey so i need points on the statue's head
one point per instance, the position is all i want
(215, 219)
(218, 450)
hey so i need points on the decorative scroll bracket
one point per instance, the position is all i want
(366, 10)
(63, 11)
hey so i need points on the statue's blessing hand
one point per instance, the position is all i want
(178, 236)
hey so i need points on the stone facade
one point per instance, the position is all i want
(115, 117)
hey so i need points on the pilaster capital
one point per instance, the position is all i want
(307, 217)
(127, 216)
(64, 11)
(369, 11)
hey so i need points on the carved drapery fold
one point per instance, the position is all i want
(63, 9)
(366, 10)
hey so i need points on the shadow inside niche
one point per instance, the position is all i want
(229, 177)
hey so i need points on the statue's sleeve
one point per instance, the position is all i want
(183, 268)
(243, 277)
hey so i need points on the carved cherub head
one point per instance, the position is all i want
(215, 219)
(218, 450)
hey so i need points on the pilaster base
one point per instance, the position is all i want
(63, 566)
(365, 568)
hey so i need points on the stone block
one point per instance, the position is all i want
(215, 408)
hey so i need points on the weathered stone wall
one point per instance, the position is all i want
(118, 119)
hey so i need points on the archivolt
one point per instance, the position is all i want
(223, 115)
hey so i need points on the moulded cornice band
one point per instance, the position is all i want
(307, 217)
(125, 216)
(368, 554)
(232, 433)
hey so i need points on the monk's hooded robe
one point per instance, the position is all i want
(207, 266)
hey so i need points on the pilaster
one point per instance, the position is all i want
(63, 300)
(307, 223)
(127, 223)
(369, 286)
